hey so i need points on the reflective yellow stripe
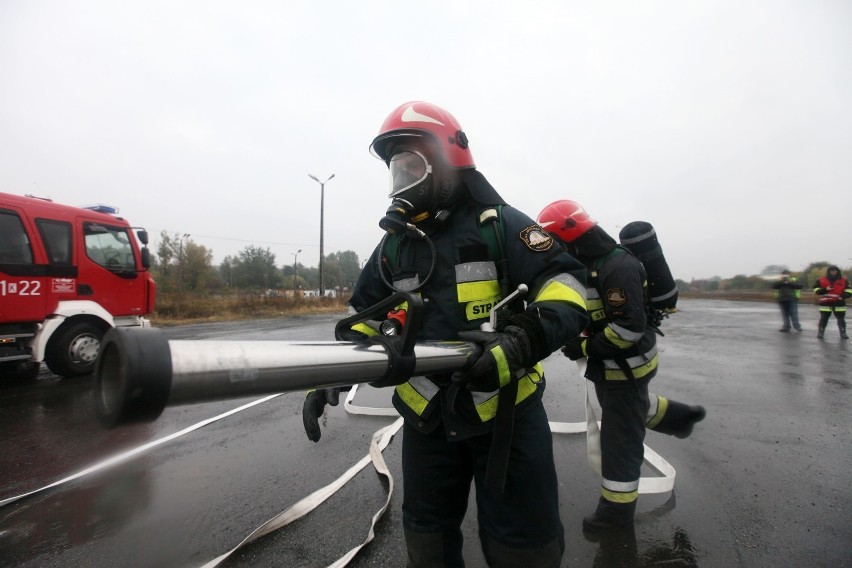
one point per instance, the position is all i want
(365, 329)
(503, 371)
(625, 333)
(595, 309)
(638, 372)
(526, 386)
(617, 341)
(471, 291)
(662, 406)
(480, 308)
(616, 497)
(557, 291)
(412, 398)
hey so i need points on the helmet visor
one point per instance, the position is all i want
(407, 169)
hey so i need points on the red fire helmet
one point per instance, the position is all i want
(565, 219)
(418, 118)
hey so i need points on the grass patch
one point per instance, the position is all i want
(176, 308)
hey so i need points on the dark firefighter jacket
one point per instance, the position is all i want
(621, 342)
(459, 296)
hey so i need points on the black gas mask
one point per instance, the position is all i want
(412, 185)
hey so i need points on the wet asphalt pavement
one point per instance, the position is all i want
(764, 481)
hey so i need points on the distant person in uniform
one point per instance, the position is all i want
(832, 289)
(787, 292)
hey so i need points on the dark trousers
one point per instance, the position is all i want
(790, 314)
(521, 524)
(839, 314)
(624, 411)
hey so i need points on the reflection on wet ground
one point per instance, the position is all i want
(620, 549)
(95, 508)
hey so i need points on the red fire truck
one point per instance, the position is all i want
(67, 274)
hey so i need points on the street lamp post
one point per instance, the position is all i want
(180, 261)
(295, 265)
(322, 207)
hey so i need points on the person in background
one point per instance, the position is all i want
(620, 345)
(486, 426)
(787, 291)
(832, 289)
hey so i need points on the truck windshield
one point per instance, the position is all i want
(109, 247)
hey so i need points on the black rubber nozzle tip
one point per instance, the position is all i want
(133, 375)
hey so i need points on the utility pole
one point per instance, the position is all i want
(295, 269)
(180, 261)
(322, 207)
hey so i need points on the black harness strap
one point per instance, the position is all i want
(501, 439)
(504, 419)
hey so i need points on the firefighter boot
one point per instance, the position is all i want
(678, 418)
(843, 334)
(820, 332)
(610, 516)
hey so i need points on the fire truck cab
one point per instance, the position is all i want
(67, 274)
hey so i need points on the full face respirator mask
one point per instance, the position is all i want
(413, 201)
(412, 191)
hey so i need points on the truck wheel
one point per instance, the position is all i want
(73, 350)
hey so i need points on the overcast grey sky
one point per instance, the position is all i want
(726, 124)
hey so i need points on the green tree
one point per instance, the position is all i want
(182, 263)
(166, 252)
(738, 282)
(195, 266)
(310, 276)
(293, 276)
(332, 274)
(254, 267)
(350, 267)
(226, 270)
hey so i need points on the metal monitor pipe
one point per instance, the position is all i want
(140, 371)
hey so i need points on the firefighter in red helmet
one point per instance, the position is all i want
(620, 347)
(485, 426)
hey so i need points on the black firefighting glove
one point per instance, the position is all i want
(315, 406)
(575, 349)
(821, 291)
(504, 354)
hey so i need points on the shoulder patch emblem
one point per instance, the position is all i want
(536, 238)
(616, 296)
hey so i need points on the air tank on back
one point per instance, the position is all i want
(641, 238)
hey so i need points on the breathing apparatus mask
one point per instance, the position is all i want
(414, 200)
(422, 193)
